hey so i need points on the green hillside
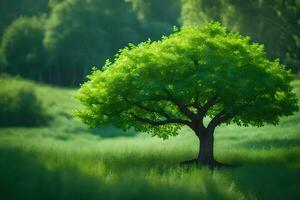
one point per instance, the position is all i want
(66, 160)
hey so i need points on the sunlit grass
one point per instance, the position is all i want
(68, 161)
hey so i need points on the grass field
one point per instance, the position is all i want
(66, 160)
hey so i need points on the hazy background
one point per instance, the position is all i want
(59, 41)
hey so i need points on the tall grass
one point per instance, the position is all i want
(68, 161)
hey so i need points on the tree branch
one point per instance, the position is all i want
(159, 122)
(161, 112)
(217, 119)
(181, 106)
(194, 103)
(201, 111)
(222, 116)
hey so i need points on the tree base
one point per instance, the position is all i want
(212, 165)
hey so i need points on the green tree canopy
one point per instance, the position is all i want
(22, 47)
(160, 86)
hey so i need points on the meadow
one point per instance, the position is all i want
(66, 160)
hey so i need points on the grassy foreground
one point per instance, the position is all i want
(66, 160)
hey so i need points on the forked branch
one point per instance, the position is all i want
(159, 122)
(202, 110)
(181, 105)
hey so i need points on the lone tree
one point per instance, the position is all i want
(195, 73)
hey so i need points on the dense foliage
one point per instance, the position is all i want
(179, 80)
(77, 35)
(156, 17)
(19, 105)
(22, 48)
(273, 23)
(81, 34)
(10, 10)
(73, 36)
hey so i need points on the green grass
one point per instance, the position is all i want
(66, 160)
(19, 106)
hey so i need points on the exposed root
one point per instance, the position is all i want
(211, 165)
(218, 165)
(188, 162)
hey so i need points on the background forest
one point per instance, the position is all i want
(59, 41)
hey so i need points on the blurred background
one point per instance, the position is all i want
(47, 47)
(58, 41)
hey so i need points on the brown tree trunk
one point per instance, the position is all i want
(206, 149)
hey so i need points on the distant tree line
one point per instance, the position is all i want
(274, 23)
(59, 41)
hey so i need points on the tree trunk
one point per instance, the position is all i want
(206, 149)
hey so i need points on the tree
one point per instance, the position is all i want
(12, 9)
(156, 17)
(22, 48)
(265, 21)
(195, 73)
(272, 21)
(81, 34)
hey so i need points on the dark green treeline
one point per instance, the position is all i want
(274, 23)
(59, 41)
